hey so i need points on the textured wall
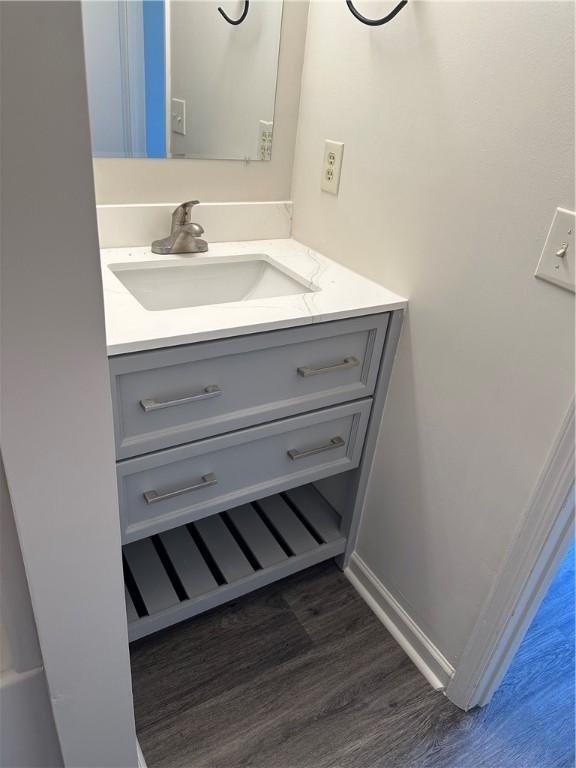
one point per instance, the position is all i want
(458, 125)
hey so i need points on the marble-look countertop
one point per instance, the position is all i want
(339, 293)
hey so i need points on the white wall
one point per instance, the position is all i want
(20, 650)
(226, 75)
(5, 654)
(457, 119)
(121, 180)
(57, 430)
(27, 733)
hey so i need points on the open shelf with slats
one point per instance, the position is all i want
(187, 570)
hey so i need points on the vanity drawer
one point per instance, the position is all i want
(179, 485)
(176, 395)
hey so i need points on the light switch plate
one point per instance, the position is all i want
(332, 166)
(178, 111)
(557, 263)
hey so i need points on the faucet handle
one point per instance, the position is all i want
(196, 229)
(183, 214)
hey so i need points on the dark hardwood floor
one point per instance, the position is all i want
(302, 675)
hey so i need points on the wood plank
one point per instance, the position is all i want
(189, 564)
(362, 667)
(247, 643)
(287, 524)
(317, 511)
(346, 700)
(151, 578)
(131, 612)
(227, 554)
(253, 530)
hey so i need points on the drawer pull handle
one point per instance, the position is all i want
(212, 390)
(336, 442)
(348, 362)
(151, 497)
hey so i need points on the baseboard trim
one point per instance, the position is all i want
(416, 644)
(141, 761)
(28, 733)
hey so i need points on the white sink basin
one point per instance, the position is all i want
(173, 284)
(237, 288)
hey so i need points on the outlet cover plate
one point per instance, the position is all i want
(332, 166)
(557, 263)
(265, 129)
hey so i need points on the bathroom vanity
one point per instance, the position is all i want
(248, 386)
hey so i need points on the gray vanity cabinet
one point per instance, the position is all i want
(171, 396)
(180, 485)
(243, 460)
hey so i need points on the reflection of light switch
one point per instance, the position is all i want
(179, 116)
(557, 263)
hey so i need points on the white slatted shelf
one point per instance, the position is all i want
(131, 612)
(222, 557)
(288, 526)
(257, 536)
(317, 511)
(188, 562)
(227, 555)
(149, 574)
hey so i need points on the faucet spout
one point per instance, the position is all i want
(185, 234)
(183, 214)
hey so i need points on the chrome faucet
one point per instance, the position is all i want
(184, 234)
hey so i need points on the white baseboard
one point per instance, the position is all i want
(421, 650)
(125, 225)
(141, 761)
(28, 733)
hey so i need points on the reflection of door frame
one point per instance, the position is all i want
(125, 76)
(167, 78)
(131, 48)
(533, 558)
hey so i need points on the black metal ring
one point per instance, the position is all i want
(242, 16)
(375, 22)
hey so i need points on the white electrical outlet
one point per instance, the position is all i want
(178, 113)
(265, 140)
(332, 165)
(557, 262)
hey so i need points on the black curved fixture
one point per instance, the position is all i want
(374, 22)
(242, 15)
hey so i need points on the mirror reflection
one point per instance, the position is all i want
(182, 78)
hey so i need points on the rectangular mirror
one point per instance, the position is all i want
(177, 78)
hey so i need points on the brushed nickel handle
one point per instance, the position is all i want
(151, 497)
(212, 390)
(348, 362)
(335, 442)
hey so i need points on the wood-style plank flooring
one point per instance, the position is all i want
(302, 675)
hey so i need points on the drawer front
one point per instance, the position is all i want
(174, 396)
(176, 486)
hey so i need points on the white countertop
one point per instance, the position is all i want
(339, 293)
